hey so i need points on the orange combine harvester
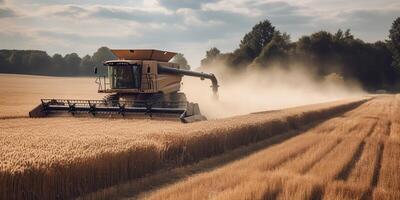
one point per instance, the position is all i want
(139, 83)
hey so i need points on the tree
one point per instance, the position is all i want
(383, 61)
(252, 44)
(73, 62)
(339, 35)
(321, 42)
(87, 65)
(16, 60)
(394, 43)
(181, 60)
(19, 59)
(102, 54)
(211, 55)
(59, 64)
(348, 35)
(39, 62)
(5, 66)
(258, 37)
(275, 52)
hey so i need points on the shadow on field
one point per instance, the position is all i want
(140, 187)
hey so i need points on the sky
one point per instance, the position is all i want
(187, 26)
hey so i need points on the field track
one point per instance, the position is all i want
(67, 157)
(351, 156)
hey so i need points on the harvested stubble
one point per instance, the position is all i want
(337, 159)
(66, 157)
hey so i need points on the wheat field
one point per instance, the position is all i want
(351, 156)
(21, 93)
(61, 158)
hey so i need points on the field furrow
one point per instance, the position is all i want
(352, 156)
(389, 177)
(349, 167)
(364, 168)
(286, 155)
(332, 165)
(305, 162)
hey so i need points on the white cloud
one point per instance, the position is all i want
(234, 6)
(190, 26)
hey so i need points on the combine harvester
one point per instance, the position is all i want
(139, 83)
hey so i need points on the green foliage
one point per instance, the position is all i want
(5, 65)
(394, 33)
(374, 65)
(252, 44)
(181, 60)
(351, 58)
(72, 62)
(58, 60)
(24, 61)
(87, 65)
(102, 54)
(39, 62)
(211, 55)
(257, 38)
(276, 51)
(394, 42)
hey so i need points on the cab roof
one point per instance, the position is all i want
(143, 54)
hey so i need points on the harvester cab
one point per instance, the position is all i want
(138, 83)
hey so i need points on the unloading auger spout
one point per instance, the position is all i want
(202, 75)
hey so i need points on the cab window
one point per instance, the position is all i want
(125, 77)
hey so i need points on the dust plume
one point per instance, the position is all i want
(265, 89)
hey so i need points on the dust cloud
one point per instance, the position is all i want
(265, 89)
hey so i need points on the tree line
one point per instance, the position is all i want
(40, 63)
(374, 65)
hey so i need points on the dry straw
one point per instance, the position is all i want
(337, 159)
(64, 158)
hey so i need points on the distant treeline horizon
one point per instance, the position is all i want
(374, 65)
(37, 62)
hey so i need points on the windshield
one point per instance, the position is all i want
(124, 77)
